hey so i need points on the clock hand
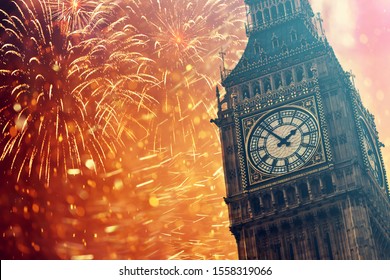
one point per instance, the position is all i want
(272, 133)
(292, 133)
(284, 141)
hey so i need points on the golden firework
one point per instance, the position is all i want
(76, 14)
(61, 95)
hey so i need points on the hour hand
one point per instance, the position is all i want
(285, 141)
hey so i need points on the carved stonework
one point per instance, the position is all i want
(303, 164)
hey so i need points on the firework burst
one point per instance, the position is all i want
(177, 169)
(76, 14)
(60, 95)
(161, 197)
(184, 33)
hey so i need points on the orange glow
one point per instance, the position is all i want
(75, 4)
(159, 194)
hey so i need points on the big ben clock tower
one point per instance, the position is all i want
(302, 159)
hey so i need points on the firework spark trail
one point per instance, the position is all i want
(184, 34)
(76, 14)
(176, 182)
(174, 178)
(61, 100)
(185, 38)
(177, 210)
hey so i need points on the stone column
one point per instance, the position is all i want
(297, 194)
(285, 198)
(309, 189)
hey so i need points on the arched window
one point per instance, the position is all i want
(299, 73)
(329, 245)
(256, 88)
(267, 202)
(245, 92)
(267, 16)
(291, 252)
(255, 205)
(315, 187)
(293, 6)
(282, 12)
(288, 8)
(274, 13)
(275, 41)
(279, 199)
(309, 71)
(293, 35)
(257, 48)
(235, 210)
(288, 76)
(291, 195)
(303, 192)
(278, 80)
(267, 84)
(259, 17)
(328, 184)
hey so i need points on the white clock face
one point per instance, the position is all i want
(283, 140)
(371, 154)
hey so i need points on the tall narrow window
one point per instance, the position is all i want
(288, 76)
(329, 187)
(309, 69)
(281, 10)
(291, 249)
(267, 84)
(257, 48)
(267, 202)
(293, 35)
(329, 245)
(259, 17)
(267, 16)
(245, 92)
(315, 187)
(291, 195)
(316, 249)
(299, 72)
(288, 8)
(279, 199)
(275, 41)
(256, 88)
(255, 204)
(274, 13)
(303, 192)
(278, 80)
(278, 251)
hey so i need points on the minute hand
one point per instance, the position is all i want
(273, 134)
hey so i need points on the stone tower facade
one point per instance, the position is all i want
(303, 167)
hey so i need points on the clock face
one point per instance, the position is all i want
(283, 140)
(373, 162)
